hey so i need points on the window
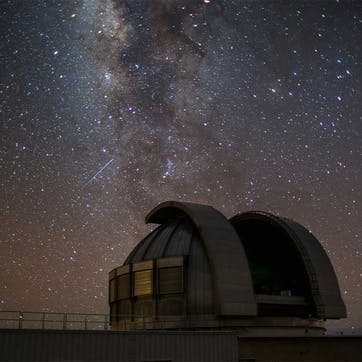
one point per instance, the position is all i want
(170, 280)
(112, 290)
(143, 282)
(124, 286)
(171, 306)
(144, 307)
(124, 309)
(113, 315)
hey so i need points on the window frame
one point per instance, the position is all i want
(168, 263)
(128, 294)
(143, 267)
(180, 282)
(113, 290)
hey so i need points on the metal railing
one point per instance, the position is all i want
(101, 322)
(79, 321)
(48, 320)
(172, 322)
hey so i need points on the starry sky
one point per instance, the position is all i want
(108, 107)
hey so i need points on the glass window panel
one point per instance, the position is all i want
(171, 306)
(125, 309)
(112, 290)
(113, 315)
(124, 286)
(143, 282)
(170, 280)
(144, 307)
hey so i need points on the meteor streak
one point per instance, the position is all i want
(98, 172)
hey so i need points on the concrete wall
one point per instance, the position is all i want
(61, 346)
(151, 346)
(265, 349)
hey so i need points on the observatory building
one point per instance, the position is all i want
(204, 288)
(257, 274)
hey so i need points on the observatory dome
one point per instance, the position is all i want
(257, 273)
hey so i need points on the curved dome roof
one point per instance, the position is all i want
(199, 231)
(321, 276)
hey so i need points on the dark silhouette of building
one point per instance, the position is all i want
(256, 273)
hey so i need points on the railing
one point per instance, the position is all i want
(82, 321)
(47, 320)
(78, 321)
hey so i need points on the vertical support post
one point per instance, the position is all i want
(85, 322)
(43, 321)
(20, 320)
(65, 321)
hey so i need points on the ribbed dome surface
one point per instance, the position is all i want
(172, 239)
(180, 238)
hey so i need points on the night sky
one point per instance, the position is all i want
(110, 107)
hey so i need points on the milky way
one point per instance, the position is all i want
(110, 107)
